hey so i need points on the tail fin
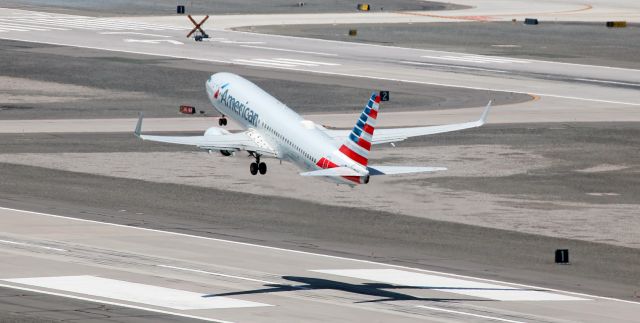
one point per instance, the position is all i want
(358, 143)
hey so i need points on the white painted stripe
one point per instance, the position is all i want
(249, 63)
(218, 274)
(289, 50)
(479, 59)
(264, 62)
(463, 59)
(452, 58)
(131, 33)
(118, 23)
(62, 23)
(92, 23)
(30, 26)
(450, 285)
(134, 292)
(14, 28)
(496, 58)
(31, 245)
(135, 25)
(145, 25)
(312, 62)
(456, 66)
(312, 254)
(101, 301)
(607, 82)
(331, 72)
(468, 314)
(296, 63)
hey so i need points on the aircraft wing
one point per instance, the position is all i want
(387, 135)
(229, 141)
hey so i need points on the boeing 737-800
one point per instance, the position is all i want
(274, 130)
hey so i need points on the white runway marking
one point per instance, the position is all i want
(607, 82)
(480, 59)
(258, 62)
(153, 41)
(228, 41)
(100, 301)
(299, 61)
(282, 62)
(134, 292)
(456, 66)
(50, 21)
(218, 274)
(31, 245)
(289, 50)
(468, 314)
(603, 194)
(451, 285)
(131, 33)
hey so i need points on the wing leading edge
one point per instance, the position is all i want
(225, 141)
(399, 134)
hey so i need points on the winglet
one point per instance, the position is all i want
(138, 130)
(485, 113)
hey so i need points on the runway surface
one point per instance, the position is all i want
(569, 42)
(536, 179)
(219, 280)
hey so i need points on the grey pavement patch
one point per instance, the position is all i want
(572, 147)
(30, 307)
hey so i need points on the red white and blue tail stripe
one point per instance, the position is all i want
(358, 144)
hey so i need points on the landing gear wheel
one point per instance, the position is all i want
(253, 168)
(222, 121)
(262, 167)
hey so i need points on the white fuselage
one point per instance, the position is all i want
(299, 141)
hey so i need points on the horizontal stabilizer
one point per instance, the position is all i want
(336, 171)
(394, 170)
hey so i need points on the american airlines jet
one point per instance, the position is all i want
(274, 130)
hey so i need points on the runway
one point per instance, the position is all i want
(351, 59)
(183, 235)
(219, 280)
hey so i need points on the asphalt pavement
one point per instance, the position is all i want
(572, 42)
(98, 84)
(516, 190)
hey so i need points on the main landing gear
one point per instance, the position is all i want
(258, 166)
(222, 121)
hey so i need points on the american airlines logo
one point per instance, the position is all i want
(238, 107)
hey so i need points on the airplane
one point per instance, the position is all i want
(271, 129)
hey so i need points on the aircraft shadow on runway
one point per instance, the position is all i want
(370, 289)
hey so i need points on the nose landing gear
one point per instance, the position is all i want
(222, 121)
(258, 167)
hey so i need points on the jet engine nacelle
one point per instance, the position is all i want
(215, 131)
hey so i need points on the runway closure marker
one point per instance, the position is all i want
(198, 27)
